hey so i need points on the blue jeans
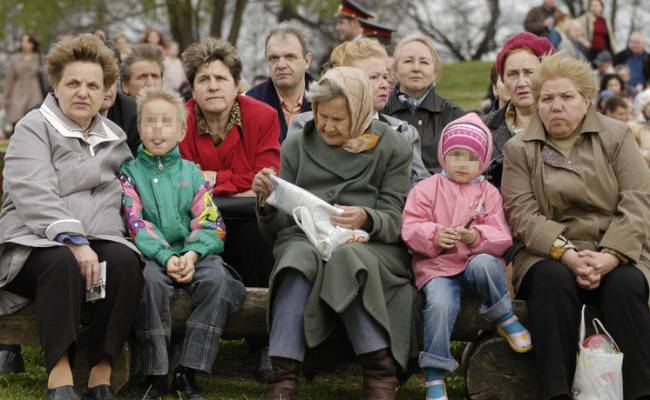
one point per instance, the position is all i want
(483, 274)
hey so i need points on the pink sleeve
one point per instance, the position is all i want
(494, 235)
(419, 230)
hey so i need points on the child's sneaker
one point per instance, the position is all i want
(435, 384)
(156, 387)
(514, 333)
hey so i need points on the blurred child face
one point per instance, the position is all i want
(462, 165)
(160, 127)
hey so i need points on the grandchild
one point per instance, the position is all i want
(455, 226)
(170, 214)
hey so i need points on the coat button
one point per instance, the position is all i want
(155, 180)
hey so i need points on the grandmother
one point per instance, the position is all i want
(370, 56)
(576, 192)
(346, 158)
(61, 218)
(231, 138)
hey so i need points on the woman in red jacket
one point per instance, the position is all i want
(231, 138)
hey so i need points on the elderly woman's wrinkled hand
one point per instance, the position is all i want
(88, 263)
(262, 184)
(603, 263)
(352, 217)
(587, 277)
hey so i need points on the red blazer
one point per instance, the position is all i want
(243, 153)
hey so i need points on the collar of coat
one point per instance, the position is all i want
(344, 164)
(171, 157)
(98, 132)
(432, 102)
(536, 130)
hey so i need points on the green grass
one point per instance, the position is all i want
(465, 83)
(233, 380)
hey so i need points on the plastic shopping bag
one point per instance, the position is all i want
(312, 214)
(599, 373)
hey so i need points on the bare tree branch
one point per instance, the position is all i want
(489, 30)
(235, 26)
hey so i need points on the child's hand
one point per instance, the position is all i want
(447, 238)
(173, 267)
(467, 235)
(187, 262)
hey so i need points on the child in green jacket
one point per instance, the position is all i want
(170, 215)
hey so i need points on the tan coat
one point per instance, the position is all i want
(22, 86)
(599, 197)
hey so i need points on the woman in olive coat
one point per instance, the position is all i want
(362, 166)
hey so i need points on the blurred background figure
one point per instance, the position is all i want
(637, 59)
(123, 45)
(142, 68)
(24, 84)
(155, 38)
(616, 107)
(174, 73)
(598, 30)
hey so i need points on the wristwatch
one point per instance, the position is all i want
(559, 247)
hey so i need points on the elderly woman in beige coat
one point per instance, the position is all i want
(346, 158)
(577, 195)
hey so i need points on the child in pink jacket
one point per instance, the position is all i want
(455, 226)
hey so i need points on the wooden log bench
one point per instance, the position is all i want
(492, 370)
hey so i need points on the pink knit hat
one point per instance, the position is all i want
(470, 133)
(540, 46)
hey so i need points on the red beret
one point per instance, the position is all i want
(539, 45)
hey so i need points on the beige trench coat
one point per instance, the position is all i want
(22, 86)
(599, 197)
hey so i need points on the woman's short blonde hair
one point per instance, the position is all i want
(209, 50)
(560, 65)
(418, 37)
(152, 93)
(347, 53)
(87, 48)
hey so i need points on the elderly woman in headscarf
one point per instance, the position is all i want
(362, 165)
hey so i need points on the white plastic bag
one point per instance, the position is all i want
(599, 374)
(312, 214)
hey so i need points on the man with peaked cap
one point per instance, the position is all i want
(348, 20)
(373, 30)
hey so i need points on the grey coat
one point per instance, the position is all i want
(379, 271)
(56, 181)
(408, 132)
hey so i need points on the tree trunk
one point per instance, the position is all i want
(181, 13)
(489, 30)
(571, 5)
(612, 17)
(240, 7)
(218, 15)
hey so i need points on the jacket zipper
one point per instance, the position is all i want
(160, 164)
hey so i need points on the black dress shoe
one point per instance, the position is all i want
(264, 369)
(11, 361)
(156, 387)
(101, 392)
(185, 386)
(62, 393)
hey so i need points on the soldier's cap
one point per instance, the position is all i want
(352, 9)
(371, 28)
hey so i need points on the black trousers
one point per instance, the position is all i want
(52, 278)
(554, 305)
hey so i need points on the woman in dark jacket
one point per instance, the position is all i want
(414, 99)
